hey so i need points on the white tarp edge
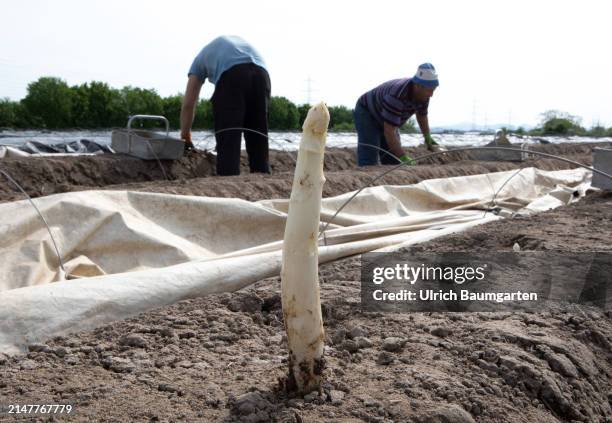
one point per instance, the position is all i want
(11, 152)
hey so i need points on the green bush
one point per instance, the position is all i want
(340, 116)
(118, 109)
(101, 105)
(303, 112)
(80, 107)
(344, 127)
(49, 103)
(8, 113)
(141, 101)
(96, 105)
(172, 110)
(283, 114)
(24, 120)
(204, 118)
(409, 127)
(555, 122)
(560, 126)
(598, 131)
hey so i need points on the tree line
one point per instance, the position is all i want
(557, 122)
(50, 103)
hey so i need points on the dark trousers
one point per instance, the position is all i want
(371, 141)
(241, 100)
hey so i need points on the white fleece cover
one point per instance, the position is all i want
(135, 251)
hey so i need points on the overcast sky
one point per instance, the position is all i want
(498, 61)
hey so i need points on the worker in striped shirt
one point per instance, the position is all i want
(380, 113)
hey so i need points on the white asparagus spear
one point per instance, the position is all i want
(300, 268)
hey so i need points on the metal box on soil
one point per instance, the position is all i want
(147, 145)
(602, 160)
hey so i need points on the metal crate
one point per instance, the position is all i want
(147, 145)
(500, 155)
(602, 161)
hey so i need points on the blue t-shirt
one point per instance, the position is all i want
(221, 54)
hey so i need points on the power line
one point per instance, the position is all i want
(309, 90)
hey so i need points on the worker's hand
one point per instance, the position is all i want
(429, 140)
(431, 144)
(407, 159)
(186, 136)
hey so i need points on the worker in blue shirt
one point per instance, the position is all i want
(240, 100)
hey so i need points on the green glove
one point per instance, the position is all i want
(429, 140)
(407, 159)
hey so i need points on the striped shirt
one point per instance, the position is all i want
(392, 102)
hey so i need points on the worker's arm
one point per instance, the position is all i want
(431, 144)
(393, 140)
(423, 125)
(192, 93)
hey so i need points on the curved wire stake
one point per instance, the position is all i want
(455, 150)
(372, 181)
(59, 257)
(158, 161)
(278, 140)
(493, 203)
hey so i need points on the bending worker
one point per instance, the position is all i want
(240, 100)
(380, 113)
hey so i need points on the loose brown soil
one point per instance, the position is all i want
(220, 358)
(193, 174)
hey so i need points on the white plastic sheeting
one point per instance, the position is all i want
(136, 251)
(12, 152)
